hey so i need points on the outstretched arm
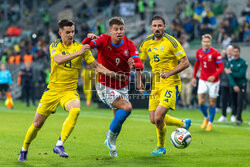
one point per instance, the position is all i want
(103, 70)
(60, 59)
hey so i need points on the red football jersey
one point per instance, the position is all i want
(210, 63)
(115, 58)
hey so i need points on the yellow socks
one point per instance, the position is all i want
(69, 123)
(161, 133)
(30, 135)
(171, 121)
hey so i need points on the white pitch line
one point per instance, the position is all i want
(144, 118)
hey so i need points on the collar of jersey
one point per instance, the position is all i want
(206, 51)
(117, 45)
(64, 44)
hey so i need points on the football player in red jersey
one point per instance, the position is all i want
(115, 52)
(210, 62)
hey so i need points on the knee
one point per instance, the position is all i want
(38, 123)
(127, 107)
(152, 121)
(73, 104)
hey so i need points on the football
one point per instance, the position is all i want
(180, 138)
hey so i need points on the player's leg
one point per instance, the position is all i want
(169, 97)
(159, 115)
(202, 90)
(213, 93)
(124, 109)
(212, 111)
(71, 103)
(87, 86)
(31, 134)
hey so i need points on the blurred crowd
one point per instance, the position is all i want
(194, 18)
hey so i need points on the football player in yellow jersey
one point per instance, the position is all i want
(87, 76)
(66, 59)
(164, 52)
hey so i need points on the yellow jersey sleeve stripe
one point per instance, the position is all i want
(54, 44)
(171, 40)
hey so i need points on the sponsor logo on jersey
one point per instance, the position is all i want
(156, 49)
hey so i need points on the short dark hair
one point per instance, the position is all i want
(236, 47)
(116, 20)
(64, 23)
(158, 18)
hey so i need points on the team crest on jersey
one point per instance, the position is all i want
(126, 52)
(162, 48)
(53, 51)
(156, 49)
(209, 57)
(149, 50)
(112, 93)
(109, 47)
(200, 56)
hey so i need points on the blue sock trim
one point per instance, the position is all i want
(212, 111)
(59, 138)
(203, 109)
(120, 117)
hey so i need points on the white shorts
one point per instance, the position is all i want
(108, 95)
(212, 88)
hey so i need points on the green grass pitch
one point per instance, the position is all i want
(227, 145)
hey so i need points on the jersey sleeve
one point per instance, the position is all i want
(196, 65)
(219, 64)
(143, 52)
(88, 57)
(54, 49)
(133, 53)
(178, 49)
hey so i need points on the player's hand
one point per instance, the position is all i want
(194, 82)
(131, 63)
(227, 70)
(119, 77)
(140, 86)
(84, 49)
(91, 36)
(236, 89)
(211, 79)
(164, 75)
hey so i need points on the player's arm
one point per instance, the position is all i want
(196, 68)
(93, 41)
(220, 68)
(180, 54)
(184, 63)
(103, 70)
(138, 66)
(60, 58)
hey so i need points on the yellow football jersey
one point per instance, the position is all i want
(164, 55)
(65, 76)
